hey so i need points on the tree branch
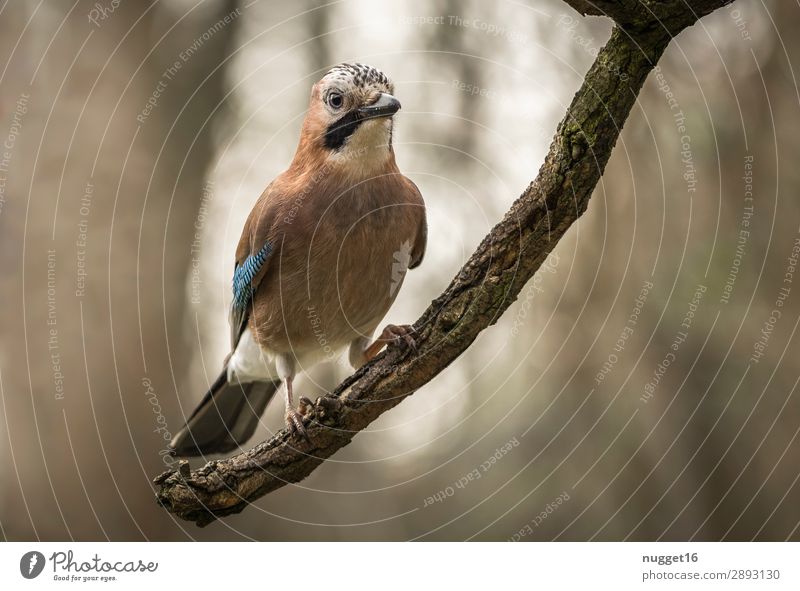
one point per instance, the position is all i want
(487, 284)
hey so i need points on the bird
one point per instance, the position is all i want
(320, 261)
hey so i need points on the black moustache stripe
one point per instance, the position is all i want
(338, 132)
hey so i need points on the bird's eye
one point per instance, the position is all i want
(335, 100)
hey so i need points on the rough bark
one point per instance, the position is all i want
(483, 289)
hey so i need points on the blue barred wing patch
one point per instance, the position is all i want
(244, 274)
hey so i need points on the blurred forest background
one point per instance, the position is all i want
(125, 180)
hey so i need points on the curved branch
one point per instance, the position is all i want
(640, 16)
(487, 284)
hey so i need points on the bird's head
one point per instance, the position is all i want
(350, 117)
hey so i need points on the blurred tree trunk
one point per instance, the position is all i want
(455, 42)
(317, 22)
(695, 473)
(106, 184)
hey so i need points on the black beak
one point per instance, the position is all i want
(385, 106)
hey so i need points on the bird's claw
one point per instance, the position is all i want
(402, 334)
(306, 406)
(322, 408)
(294, 423)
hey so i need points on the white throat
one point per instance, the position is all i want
(368, 149)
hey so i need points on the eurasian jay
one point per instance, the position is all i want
(320, 260)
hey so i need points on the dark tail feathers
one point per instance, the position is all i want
(226, 417)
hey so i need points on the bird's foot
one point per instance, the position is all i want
(295, 421)
(325, 407)
(323, 410)
(306, 407)
(403, 334)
